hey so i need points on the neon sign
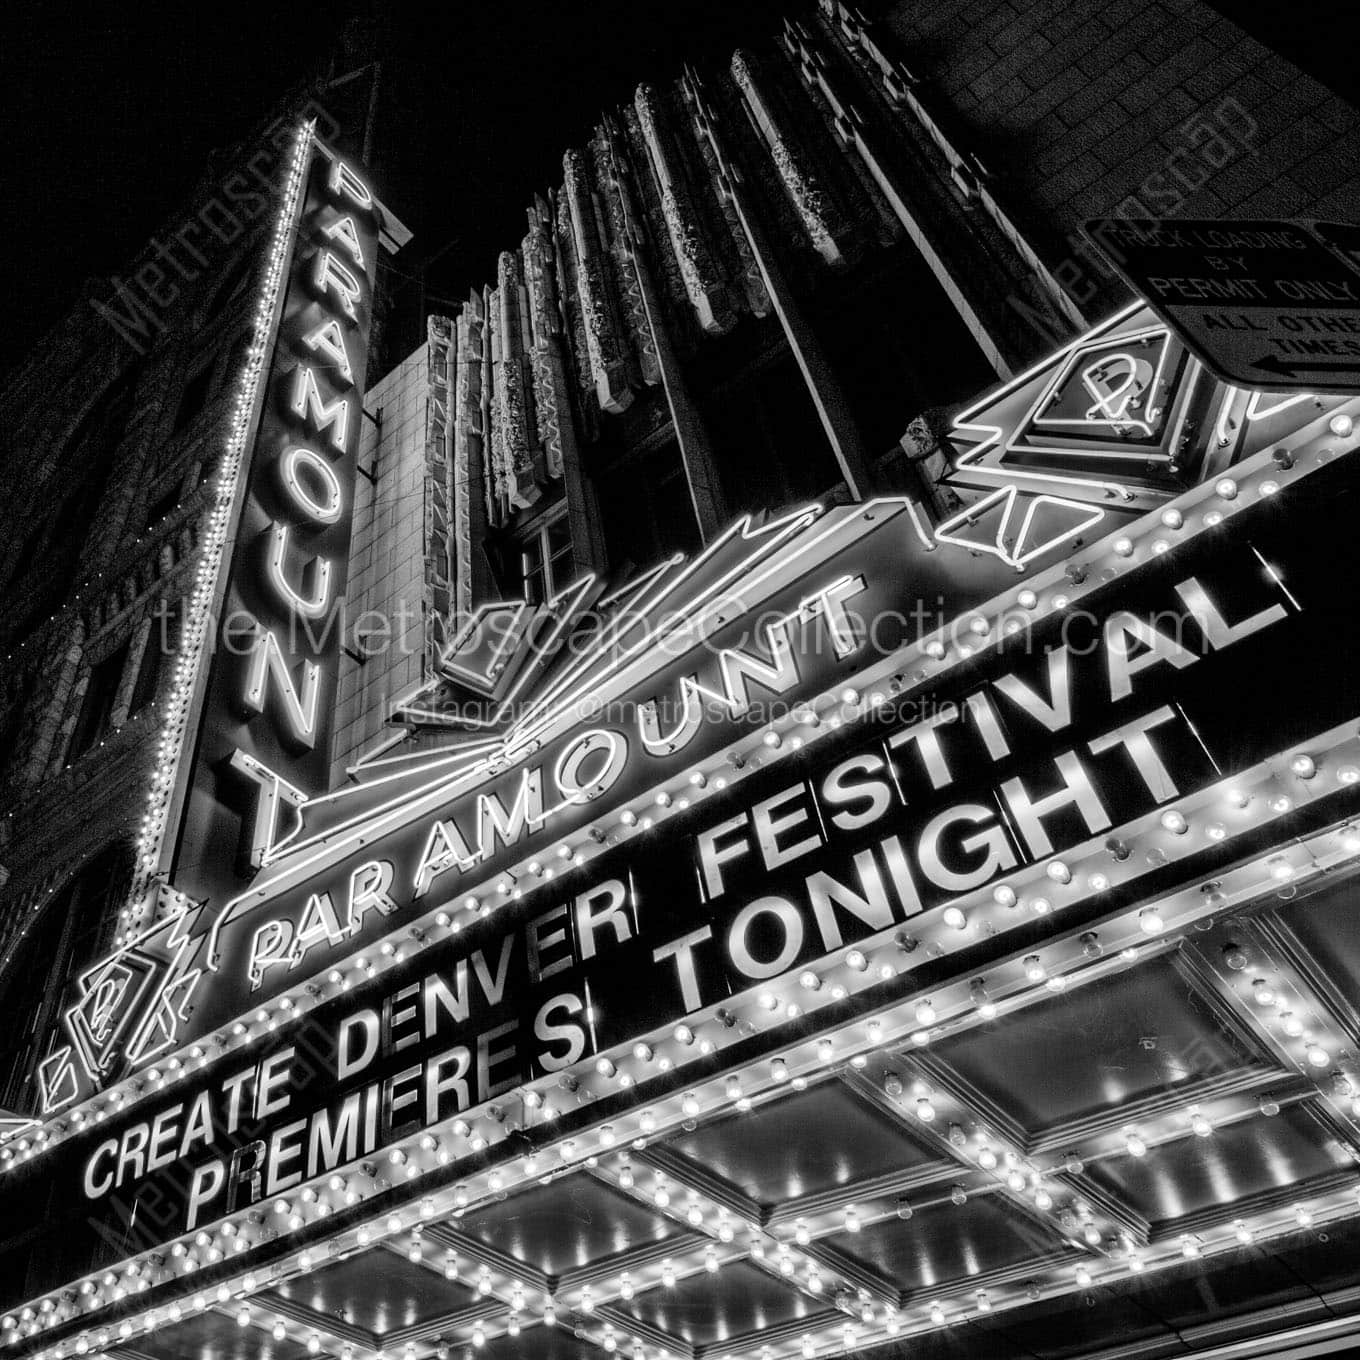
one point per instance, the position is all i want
(263, 745)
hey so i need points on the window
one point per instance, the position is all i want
(161, 644)
(193, 399)
(546, 562)
(70, 933)
(96, 708)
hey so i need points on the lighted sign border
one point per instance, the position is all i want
(189, 678)
(930, 654)
(809, 1056)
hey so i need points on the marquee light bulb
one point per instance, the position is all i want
(1226, 488)
(925, 1111)
(855, 960)
(925, 1013)
(1200, 1126)
(1122, 546)
(1303, 766)
(1134, 1145)
(977, 994)
(1150, 921)
(1174, 822)
(955, 917)
(1004, 895)
(1318, 1056)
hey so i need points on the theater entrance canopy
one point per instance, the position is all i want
(886, 929)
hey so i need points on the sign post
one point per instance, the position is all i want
(1264, 304)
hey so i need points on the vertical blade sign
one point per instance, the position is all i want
(264, 742)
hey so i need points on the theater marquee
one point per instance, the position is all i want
(650, 832)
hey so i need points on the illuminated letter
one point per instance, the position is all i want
(830, 605)
(365, 1024)
(268, 948)
(1054, 712)
(1133, 737)
(769, 827)
(319, 569)
(659, 743)
(307, 403)
(206, 1185)
(873, 909)
(682, 951)
(837, 791)
(331, 1146)
(495, 823)
(741, 669)
(1121, 630)
(93, 1190)
(927, 741)
(712, 857)
(344, 181)
(1076, 791)
(330, 340)
(572, 1035)
(997, 857)
(290, 468)
(267, 660)
(368, 888)
(445, 849)
(1218, 632)
(347, 234)
(275, 791)
(567, 771)
(330, 273)
(319, 924)
(604, 903)
(790, 923)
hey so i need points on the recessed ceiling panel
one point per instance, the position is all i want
(810, 1141)
(947, 1242)
(378, 1291)
(705, 1309)
(213, 1336)
(566, 1225)
(1131, 1035)
(1240, 1160)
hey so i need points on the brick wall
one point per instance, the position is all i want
(385, 595)
(1163, 109)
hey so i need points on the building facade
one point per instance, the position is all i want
(798, 795)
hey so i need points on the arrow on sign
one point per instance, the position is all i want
(1274, 364)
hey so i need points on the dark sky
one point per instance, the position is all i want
(108, 119)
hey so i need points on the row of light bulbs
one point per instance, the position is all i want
(509, 887)
(1175, 830)
(647, 1123)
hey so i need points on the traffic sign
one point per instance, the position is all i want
(1264, 304)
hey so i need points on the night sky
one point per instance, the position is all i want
(108, 121)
